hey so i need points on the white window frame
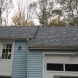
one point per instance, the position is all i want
(6, 53)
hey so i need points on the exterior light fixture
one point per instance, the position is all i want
(19, 48)
(27, 39)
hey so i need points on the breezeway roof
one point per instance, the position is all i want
(17, 32)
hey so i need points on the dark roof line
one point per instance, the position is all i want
(35, 32)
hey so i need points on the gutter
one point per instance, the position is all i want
(73, 47)
(9, 38)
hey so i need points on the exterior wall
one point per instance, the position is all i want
(20, 60)
(35, 64)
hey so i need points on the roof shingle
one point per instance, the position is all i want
(56, 36)
(19, 32)
(49, 36)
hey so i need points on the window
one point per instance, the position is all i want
(6, 51)
(54, 67)
(71, 67)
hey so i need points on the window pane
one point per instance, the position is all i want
(3, 56)
(7, 45)
(54, 67)
(6, 56)
(9, 50)
(6, 52)
(3, 51)
(10, 45)
(9, 56)
(4, 46)
(71, 67)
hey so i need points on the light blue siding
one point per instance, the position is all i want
(27, 64)
(20, 60)
(35, 64)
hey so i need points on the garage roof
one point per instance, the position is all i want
(55, 36)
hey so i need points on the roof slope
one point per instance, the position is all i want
(19, 32)
(42, 36)
(55, 36)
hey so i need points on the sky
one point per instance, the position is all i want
(13, 11)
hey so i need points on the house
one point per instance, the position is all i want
(38, 52)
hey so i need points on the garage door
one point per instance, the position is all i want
(56, 66)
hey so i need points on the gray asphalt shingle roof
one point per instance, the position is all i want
(19, 32)
(49, 36)
(55, 36)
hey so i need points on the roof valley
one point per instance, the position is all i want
(35, 32)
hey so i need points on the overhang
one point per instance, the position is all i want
(41, 47)
(15, 38)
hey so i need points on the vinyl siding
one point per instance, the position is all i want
(35, 64)
(20, 60)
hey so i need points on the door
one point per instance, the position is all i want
(5, 59)
(60, 65)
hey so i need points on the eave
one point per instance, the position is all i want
(41, 47)
(15, 38)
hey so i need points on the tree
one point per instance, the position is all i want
(21, 16)
(43, 10)
(57, 22)
(31, 23)
(18, 20)
(6, 8)
(32, 11)
(70, 10)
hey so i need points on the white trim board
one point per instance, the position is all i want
(61, 53)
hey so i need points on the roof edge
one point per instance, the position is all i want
(71, 47)
(8, 38)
